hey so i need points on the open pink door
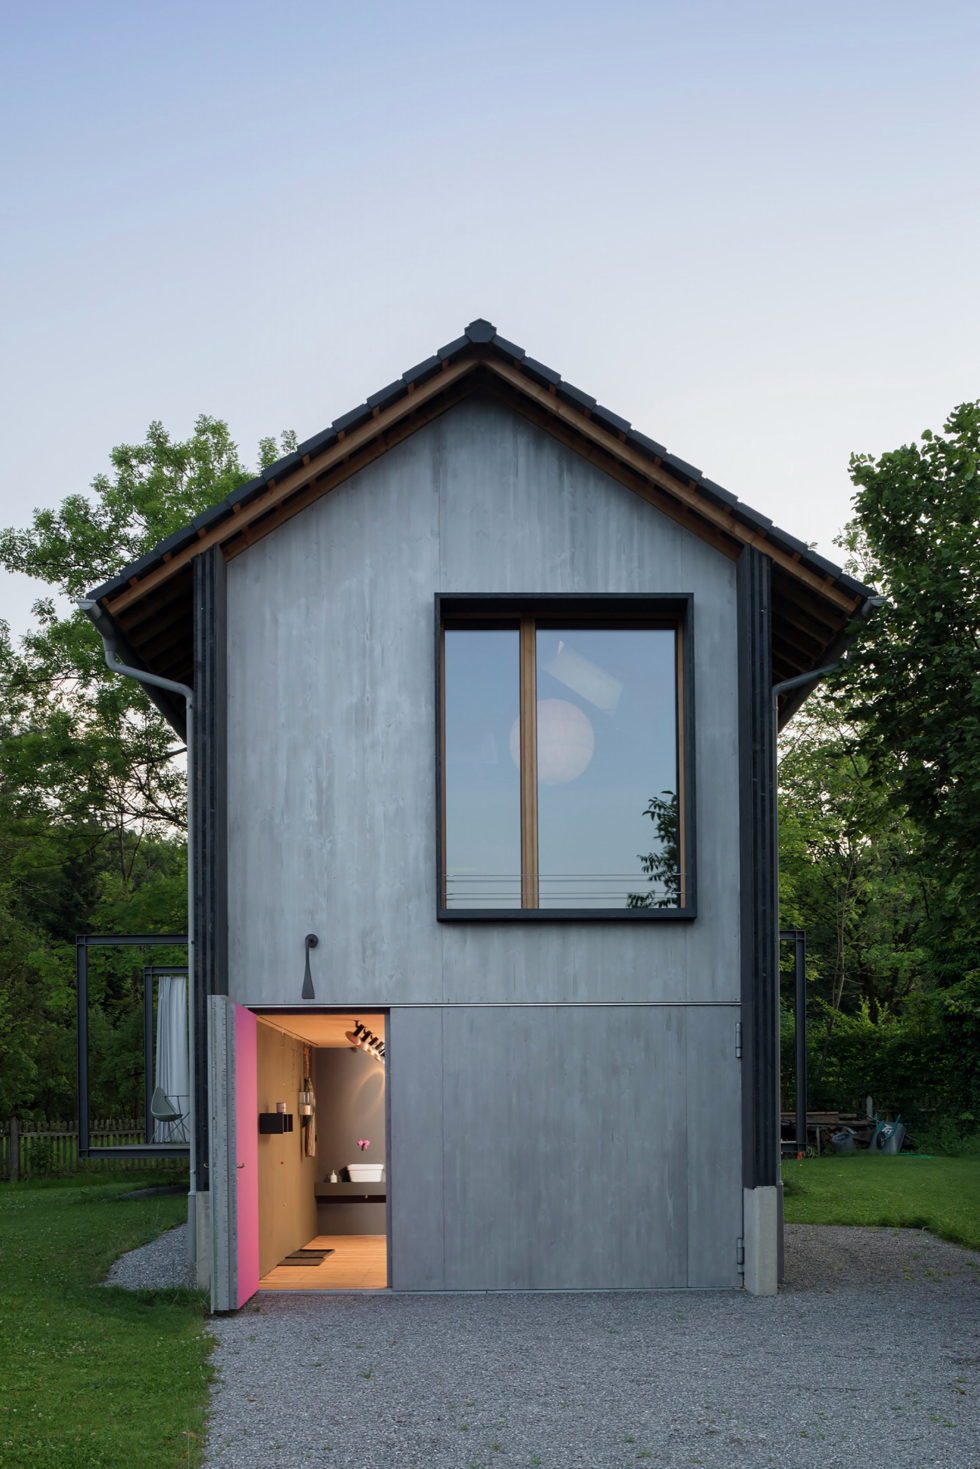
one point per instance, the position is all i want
(246, 1154)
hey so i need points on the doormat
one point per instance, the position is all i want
(306, 1257)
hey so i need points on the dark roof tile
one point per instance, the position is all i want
(792, 544)
(754, 517)
(538, 369)
(822, 564)
(247, 491)
(651, 445)
(288, 461)
(509, 347)
(719, 492)
(483, 332)
(576, 395)
(209, 516)
(317, 442)
(347, 420)
(612, 420)
(175, 542)
(391, 391)
(421, 369)
(682, 466)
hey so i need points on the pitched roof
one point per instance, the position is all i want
(150, 600)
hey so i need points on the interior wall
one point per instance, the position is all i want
(350, 1104)
(287, 1206)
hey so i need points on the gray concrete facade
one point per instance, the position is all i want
(564, 1096)
(552, 1149)
(331, 744)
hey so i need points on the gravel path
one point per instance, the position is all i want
(868, 1358)
(160, 1265)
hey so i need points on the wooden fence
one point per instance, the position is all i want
(49, 1149)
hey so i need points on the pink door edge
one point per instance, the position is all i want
(246, 1154)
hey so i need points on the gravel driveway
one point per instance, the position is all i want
(868, 1358)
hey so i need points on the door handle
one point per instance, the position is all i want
(239, 1165)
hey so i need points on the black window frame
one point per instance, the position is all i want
(588, 610)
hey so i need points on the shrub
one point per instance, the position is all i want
(918, 1064)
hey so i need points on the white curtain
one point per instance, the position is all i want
(172, 1067)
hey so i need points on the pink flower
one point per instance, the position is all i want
(363, 1142)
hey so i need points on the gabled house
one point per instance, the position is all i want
(484, 691)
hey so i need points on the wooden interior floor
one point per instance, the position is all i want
(358, 1262)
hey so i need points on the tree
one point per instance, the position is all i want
(851, 867)
(77, 740)
(662, 865)
(91, 784)
(880, 797)
(912, 681)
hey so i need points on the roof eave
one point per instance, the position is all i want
(292, 480)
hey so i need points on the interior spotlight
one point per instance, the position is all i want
(362, 1039)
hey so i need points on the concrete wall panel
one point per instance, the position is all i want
(564, 1148)
(416, 1208)
(331, 725)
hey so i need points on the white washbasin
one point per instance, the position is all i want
(366, 1172)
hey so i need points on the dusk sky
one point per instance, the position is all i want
(750, 228)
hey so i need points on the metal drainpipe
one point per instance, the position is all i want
(115, 664)
(868, 606)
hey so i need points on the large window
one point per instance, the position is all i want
(565, 779)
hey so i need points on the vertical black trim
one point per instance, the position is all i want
(797, 937)
(439, 718)
(148, 1057)
(81, 1036)
(685, 700)
(757, 871)
(210, 835)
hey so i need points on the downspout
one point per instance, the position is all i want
(115, 664)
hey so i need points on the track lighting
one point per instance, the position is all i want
(365, 1040)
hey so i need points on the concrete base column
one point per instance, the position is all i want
(199, 1239)
(781, 1222)
(760, 1209)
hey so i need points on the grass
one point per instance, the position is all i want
(94, 1376)
(938, 1194)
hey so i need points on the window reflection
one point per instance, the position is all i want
(482, 781)
(594, 815)
(607, 768)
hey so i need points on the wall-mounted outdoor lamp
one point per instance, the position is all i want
(310, 942)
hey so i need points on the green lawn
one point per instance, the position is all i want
(939, 1194)
(93, 1377)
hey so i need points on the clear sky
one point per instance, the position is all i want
(749, 226)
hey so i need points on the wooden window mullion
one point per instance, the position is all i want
(529, 764)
